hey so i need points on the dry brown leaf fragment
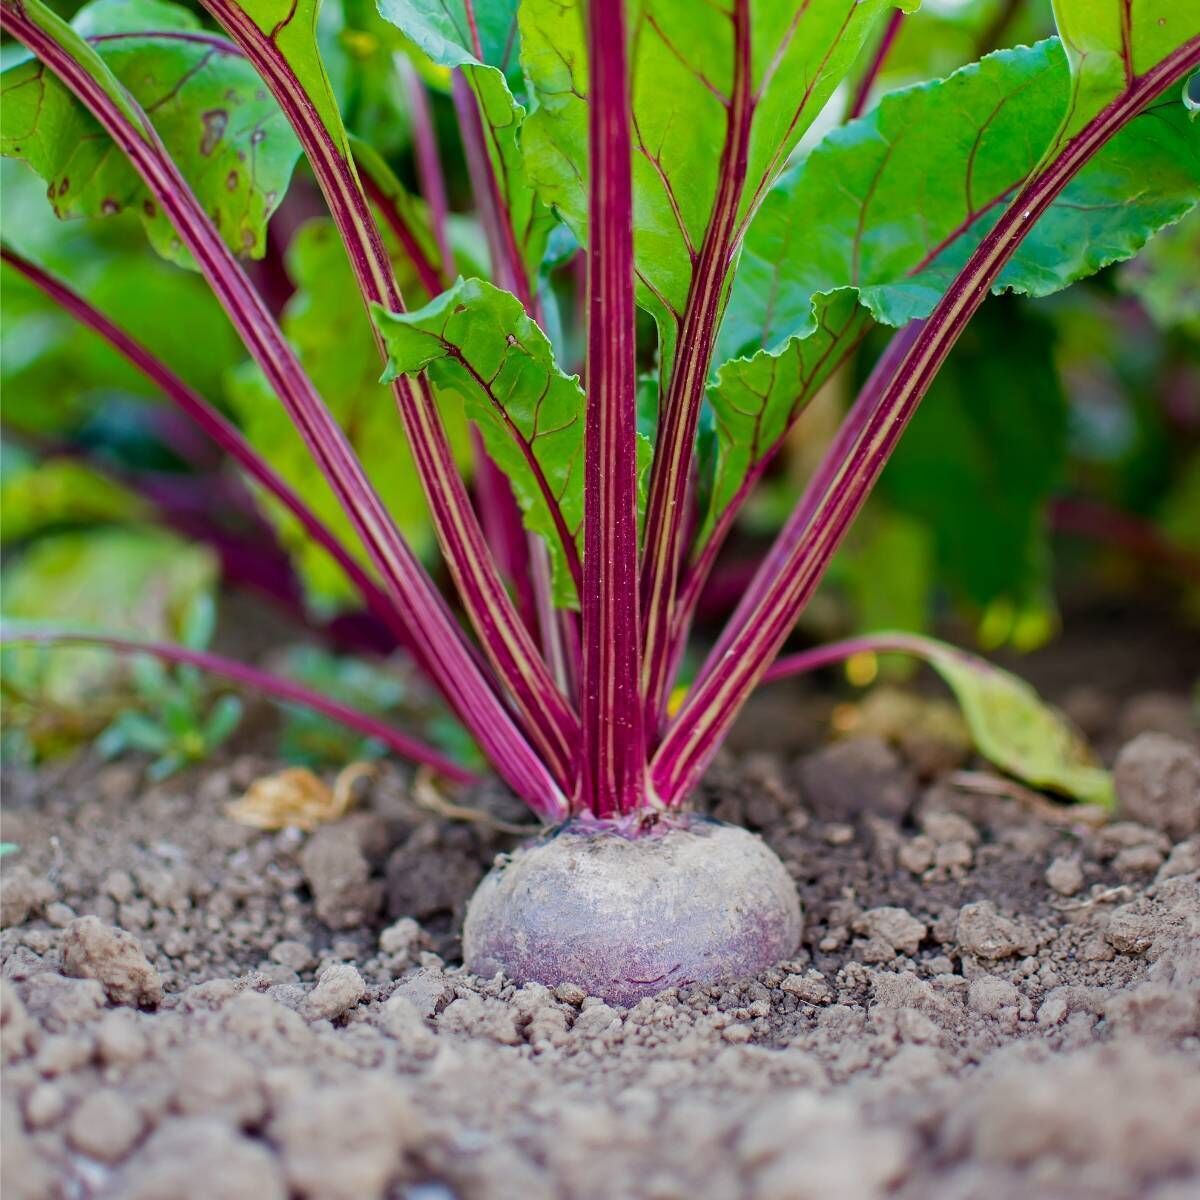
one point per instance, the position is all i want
(295, 798)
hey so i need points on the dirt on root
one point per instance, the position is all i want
(995, 997)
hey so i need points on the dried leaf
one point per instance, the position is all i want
(295, 798)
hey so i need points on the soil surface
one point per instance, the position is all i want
(995, 996)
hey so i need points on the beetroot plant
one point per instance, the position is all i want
(659, 148)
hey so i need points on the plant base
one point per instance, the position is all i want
(627, 913)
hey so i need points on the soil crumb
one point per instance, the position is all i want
(994, 998)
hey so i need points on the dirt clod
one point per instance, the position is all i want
(93, 950)
(1158, 783)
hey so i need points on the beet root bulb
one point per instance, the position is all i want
(692, 901)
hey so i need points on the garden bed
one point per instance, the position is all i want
(994, 996)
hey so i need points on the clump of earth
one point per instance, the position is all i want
(995, 995)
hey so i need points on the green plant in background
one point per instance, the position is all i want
(170, 715)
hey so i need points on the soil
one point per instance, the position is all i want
(995, 996)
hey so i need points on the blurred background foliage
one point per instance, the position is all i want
(1057, 455)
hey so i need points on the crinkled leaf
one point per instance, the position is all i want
(331, 332)
(894, 203)
(477, 342)
(689, 88)
(225, 133)
(493, 70)
(1010, 724)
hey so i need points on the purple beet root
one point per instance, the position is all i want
(624, 916)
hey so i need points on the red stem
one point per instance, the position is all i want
(261, 681)
(429, 160)
(450, 657)
(427, 272)
(863, 92)
(833, 652)
(754, 640)
(221, 431)
(528, 561)
(546, 718)
(501, 512)
(791, 536)
(613, 737)
(670, 474)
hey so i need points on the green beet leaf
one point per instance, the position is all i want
(224, 131)
(891, 206)
(690, 88)
(477, 343)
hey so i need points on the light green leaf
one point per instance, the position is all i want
(1010, 725)
(103, 17)
(1112, 42)
(60, 491)
(688, 90)
(326, 323)
(223, 130)
(477, 343)
(120, 580)
(491, 65)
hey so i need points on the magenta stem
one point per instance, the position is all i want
(545, 717)
(755, 639)
(431, 278)
(834, 652)
(613, 735)
(863, 92)
(429, 160)
(791, 537)
(667, 507)
(262, 681)
(221, 431)
(522, 553)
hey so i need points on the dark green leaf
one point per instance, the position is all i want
(477, 343)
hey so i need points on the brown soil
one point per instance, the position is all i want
(994, 997)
